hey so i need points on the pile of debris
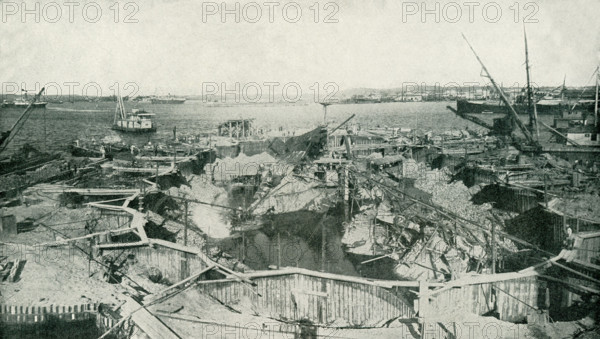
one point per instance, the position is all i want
(583, 206)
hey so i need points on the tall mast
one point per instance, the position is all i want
(120, 110)
(122, 106)
(512, 111)
(596, 102)
(564, 88)
(532, 117)
(116, 112)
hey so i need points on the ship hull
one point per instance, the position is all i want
(24, 105)
(134, 129)
(481, 107)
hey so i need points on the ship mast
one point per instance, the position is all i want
(596, 102)
(530, 108)
(564, 88)
(120, 109)
(512, 111)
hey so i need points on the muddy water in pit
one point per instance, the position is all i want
(295, 240)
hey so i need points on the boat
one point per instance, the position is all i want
(138, 121)
(25, 103)
(170, 100)
(7, 103)
(543, 107)
(487, 112)
(584, 130)
(486, 106)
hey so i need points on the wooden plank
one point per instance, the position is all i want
(310, 292)
(269, 296)
(13, 270)
(278, 296)
(203, 257)
(369, 304)
(350, 302)
(285, 296)
(334, 303)
(306, 272)
(182, 282)
(93, 191)
(289, 307)
(121, 245)
(577, 286)
(148, 323)
(576, 272)
(480, 279)
(128, 200)
(117, 231)
(314, 300)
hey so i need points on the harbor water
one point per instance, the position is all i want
(61, 124)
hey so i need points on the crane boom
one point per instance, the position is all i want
(472, 119)
(7, 136)
(343, 123)
(512, 111)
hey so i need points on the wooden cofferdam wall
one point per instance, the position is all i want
(588, 248)
(319, 300)
(512, 299)
(170, 262)
(559, 224)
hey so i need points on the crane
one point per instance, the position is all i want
(6, 137)
(515, 117)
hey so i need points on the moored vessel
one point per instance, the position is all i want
(170, 100)
(138, 121)
(25, 103)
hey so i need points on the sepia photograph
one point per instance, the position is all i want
(299, 169)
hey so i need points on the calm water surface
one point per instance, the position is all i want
(82, 120)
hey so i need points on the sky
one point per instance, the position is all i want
(183, 47)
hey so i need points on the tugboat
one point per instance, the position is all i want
(138, 121)
(24, 101)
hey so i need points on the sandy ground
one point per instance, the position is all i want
(54, 276)
(58, 275)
